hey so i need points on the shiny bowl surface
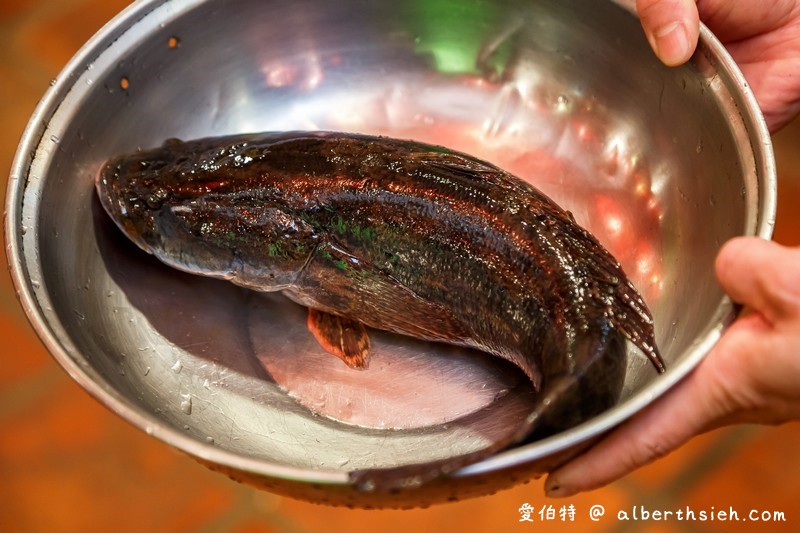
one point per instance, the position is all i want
(662, 164)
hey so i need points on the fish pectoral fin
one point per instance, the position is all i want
(345, 338)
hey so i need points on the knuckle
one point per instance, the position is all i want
(656, 10)
(655, 448)
(643, 452)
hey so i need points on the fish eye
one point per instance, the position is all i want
(155, 199)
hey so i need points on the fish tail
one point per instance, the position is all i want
(628, 312)
(589, 385)
(593, 385)
(636, 324)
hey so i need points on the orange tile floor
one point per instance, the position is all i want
(68, 464)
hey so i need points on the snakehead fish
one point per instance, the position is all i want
(400, 236)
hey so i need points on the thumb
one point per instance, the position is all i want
(762, 275)
(672, 27)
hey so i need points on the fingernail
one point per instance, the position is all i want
(671, 43)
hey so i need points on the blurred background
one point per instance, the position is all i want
(68, 464)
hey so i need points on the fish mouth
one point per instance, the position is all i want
(117, 208)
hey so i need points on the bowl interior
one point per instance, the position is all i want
(656, 162)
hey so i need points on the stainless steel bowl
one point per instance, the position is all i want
(663, 165)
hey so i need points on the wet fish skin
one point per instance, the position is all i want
(401, 236)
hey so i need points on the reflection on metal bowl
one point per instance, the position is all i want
(663, 165)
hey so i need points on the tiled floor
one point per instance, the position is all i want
(68, 464)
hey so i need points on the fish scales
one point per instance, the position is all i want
(401, 236)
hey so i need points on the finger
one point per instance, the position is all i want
(683, 412)
(672, 27)
(718, 392)
(764, 60)
(736, 20)
(762, 275)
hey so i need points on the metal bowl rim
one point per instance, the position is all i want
(53, 336)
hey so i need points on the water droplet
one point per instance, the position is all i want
(699, 148)
(53, 82)
(146, 370)
(177, 367)
(210, 440)
(23, 229)
(35, 284)
(186, 403)
(412, 482)
(55, 139)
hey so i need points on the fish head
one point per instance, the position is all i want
(131, 191)
(204, 218)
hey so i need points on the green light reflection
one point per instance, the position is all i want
(453, 33)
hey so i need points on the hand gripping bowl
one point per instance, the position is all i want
(662, 164)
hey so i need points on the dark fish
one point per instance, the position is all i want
(400, 236)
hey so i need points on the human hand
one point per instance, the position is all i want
(763, 38)
(751, 375)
